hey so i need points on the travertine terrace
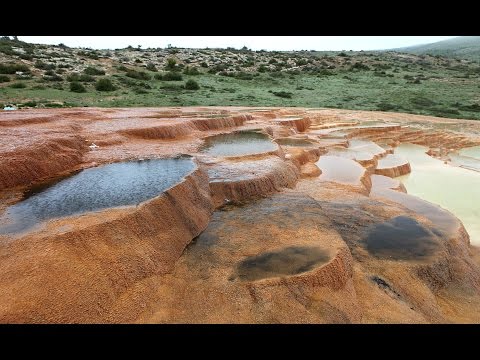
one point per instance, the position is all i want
(287, 215)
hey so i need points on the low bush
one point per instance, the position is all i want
(77, 87)
(104, 84)
(140, 75)
(18, 85)
(191, 71)
(151, 67)
(192, 85)
(31, 103)
(13, 68)
(170, 76)
(53, 77)
(283, 94)
(4, 79)
(39, 64)
(90, 70)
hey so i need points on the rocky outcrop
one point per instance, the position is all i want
(245, 180)
(393, 166)
(162, 132)
(40, 160)
(178, 129)
(301, 124)
(78, 275)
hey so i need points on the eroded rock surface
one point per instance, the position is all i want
(286, 216)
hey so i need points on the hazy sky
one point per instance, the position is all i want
(252, 42)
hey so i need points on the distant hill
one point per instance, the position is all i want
(45, 76)
(467, 47)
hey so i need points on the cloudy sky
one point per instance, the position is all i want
(252, 42)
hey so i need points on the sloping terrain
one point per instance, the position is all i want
(467, 47)
(273, 221)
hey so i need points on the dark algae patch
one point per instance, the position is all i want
(401, 238)
(289, 261)
(108, 186)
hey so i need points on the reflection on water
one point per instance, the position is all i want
(107, 186)
(288, 261)
(335, 168)
(401, 238)
(453, 188)
(238, 143)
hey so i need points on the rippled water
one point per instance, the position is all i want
(113, 185)
(453, 188)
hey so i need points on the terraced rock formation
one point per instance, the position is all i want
(284, 215)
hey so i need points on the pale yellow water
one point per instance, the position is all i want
(453, 188)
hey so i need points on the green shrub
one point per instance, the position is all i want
(244, 76)
(77, 87)
(104, 84)
(54, 105)
(191, 71)
(53, 77)
(192, 85)
(90, 70)
(4, 79)
(262, 68)
(18, 85)
(13, 68)
(204, 64)
(30, 104)
(171, 76)
(140, 90)
(57, 86)
(151, 67)
(359, 66)
(422, 102)
(283, 94)
(89, 54)
(140, 75)
(26, 57)
(80, 77)
(171, 64)
(44, 66)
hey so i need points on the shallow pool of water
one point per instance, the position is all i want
(453, 188)
(112, 185)
(366, 146)
(390, 161)
(401, 238)
(338, 169)
(289, 261)
(473, 152)
(238, 143)
(466, 162)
